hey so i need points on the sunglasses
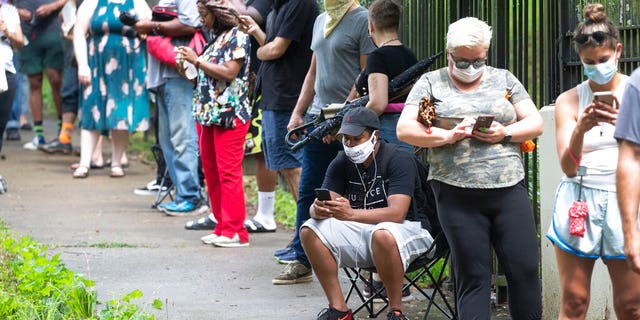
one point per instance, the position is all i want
(598, 36)
(464, 64)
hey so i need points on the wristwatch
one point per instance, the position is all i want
(507, 136)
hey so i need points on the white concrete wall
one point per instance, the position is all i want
(601, 306)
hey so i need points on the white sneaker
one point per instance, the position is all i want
(151, 189)
(210, 238)
(34, 143)
(222, 241)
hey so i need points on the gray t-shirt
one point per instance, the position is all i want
(338, 56)
(628, 124)
(188, 14)
(471, 163)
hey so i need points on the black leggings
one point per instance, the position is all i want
(474, 219)
(6, 104)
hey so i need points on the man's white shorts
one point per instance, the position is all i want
(350, 242)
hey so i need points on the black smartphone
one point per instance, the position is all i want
(483, 122)
(323, 194)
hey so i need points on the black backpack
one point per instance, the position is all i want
(423, 204)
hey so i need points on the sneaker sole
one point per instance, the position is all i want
(280, 261)
(53, 151)
(231, 244)
(304, 279)
(180, 214)
(148, 193)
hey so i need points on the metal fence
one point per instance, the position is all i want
(532, 38)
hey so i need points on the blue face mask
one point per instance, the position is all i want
(601, 73)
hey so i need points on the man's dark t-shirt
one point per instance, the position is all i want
(389, 60)
(38, 25)
(342, 179)
(282, 78)
(263, 7)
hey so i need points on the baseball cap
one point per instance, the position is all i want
(356, 120)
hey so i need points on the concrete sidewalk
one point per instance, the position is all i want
(113, 237)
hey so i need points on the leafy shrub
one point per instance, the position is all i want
(33, 286)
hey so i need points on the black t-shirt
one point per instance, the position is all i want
(50, 23)
(344, 180)
(389, 60)
(282, 78)
(263, 7)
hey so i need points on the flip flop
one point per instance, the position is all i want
(204, 223)
(123, 165)
(116, 172)
(81, 172)
(254, 226)
(93, 165)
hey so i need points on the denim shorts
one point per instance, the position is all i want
(603, 236)
(277, 153)
(350, 241)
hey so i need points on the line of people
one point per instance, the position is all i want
(308, 60)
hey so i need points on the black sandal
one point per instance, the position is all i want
(204, 223)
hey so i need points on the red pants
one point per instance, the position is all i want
(222, 151)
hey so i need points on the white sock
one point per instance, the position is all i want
(266, 204)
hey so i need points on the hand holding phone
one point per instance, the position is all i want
(483, 122)
(323, 194)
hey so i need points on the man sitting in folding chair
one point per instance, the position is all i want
(363, 224)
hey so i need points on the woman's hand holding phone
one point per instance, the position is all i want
(605, 106)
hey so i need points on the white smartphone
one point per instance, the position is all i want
(604, 96)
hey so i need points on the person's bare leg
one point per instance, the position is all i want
(266, 179)
(626, 290)
(88, 141)
(119, 142)
(325, 268)
(55, 80)
(35, 96)
(388, 263)
(292, 177)
(96, 155)
(575, 283)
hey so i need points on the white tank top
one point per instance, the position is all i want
(600, 148)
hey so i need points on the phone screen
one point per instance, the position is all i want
(323, 194)
(483, 122)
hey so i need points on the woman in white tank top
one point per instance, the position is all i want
(588, 156)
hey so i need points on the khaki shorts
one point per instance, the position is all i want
(350, 242)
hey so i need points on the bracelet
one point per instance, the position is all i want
(155, 29)
(575, 159)
(197, 64)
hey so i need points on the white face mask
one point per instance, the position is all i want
(467, 75)
(359, 154)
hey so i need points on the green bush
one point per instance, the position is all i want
(33, 286)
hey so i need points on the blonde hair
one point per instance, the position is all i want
(468, 32)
